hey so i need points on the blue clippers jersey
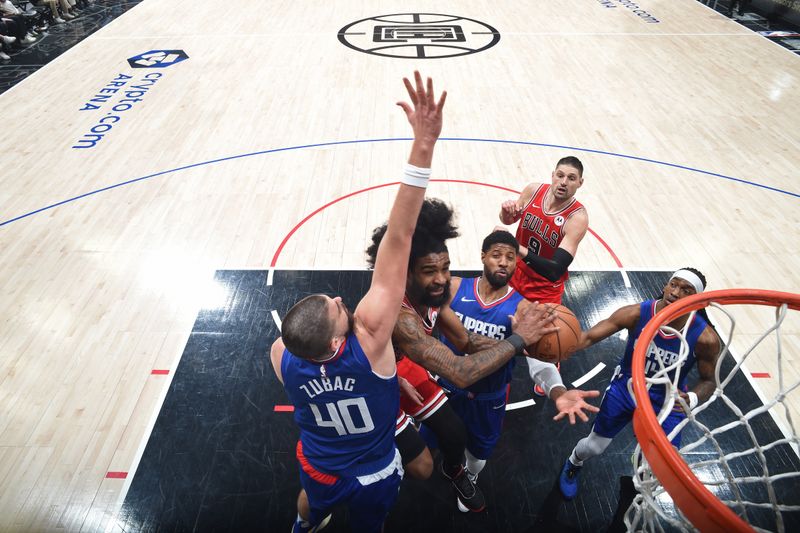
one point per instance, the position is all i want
(346, 412)
(488, 320)
(667, 347)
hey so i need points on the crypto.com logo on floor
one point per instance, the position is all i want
(157, 59)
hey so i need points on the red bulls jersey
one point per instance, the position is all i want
(428, 321)
(541, 232)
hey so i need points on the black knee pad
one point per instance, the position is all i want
(450, 432)
(409, 443)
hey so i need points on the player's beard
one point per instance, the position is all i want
(430, 300)
(495, 280)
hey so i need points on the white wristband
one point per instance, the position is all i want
(693, 400)
(415, 176)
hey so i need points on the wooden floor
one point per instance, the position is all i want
(688, 130)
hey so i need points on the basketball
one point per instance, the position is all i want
(559, 345)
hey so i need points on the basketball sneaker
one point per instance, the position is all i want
(568, 480)
(468, 496)
(301, 526)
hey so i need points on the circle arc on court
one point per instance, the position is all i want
(318, 210)
(395, 139)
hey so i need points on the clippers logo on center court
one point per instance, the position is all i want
(157, 59)
(418, 35)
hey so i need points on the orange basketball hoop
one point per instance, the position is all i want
(665, 468)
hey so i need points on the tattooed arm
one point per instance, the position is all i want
(410, 339)
(452, 328)
(479, 343)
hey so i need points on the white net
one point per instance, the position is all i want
(742, 443)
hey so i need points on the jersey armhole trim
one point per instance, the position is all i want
(381, 376)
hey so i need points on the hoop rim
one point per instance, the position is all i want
(705, 511)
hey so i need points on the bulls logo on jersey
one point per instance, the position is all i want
(429, 320)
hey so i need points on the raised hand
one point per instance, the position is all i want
(532, 322)
(571, 404)
(510, 211)
(426, 117)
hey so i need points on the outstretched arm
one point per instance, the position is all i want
(572, 403)
(377, 311)
(569, 403)
(623, 318)
(409, 338)
(452, 328)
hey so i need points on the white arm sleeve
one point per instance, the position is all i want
(544, 374)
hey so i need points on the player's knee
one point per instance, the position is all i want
(417, 460)
(421, 467)
(449, 429)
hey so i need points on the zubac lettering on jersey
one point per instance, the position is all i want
(658, 358)
(487, 329)
(318, 386)
(534, 223)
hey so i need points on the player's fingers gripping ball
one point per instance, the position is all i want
(559, 345)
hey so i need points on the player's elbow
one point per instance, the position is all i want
(459, 381)
(552, 271)
(554, 274)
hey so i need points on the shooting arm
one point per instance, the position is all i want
(410, 339)
(453, 329)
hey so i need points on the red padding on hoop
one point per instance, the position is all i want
(760, 374)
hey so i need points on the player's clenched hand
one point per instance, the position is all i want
(572, 404)
(510, 211)
(678, 407)
(426, 117)
(532, 322)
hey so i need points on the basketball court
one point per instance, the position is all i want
(177, 183)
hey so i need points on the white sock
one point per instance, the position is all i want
(474, 465)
